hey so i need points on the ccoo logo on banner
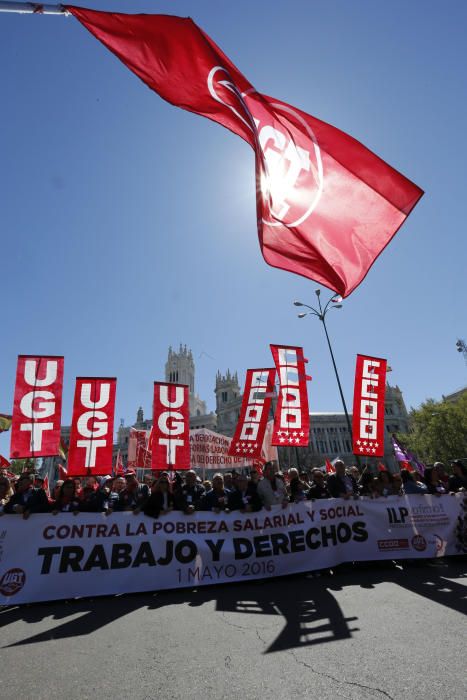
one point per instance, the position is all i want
(292, 418)
(368, 406)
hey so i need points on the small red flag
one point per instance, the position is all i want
(381, 467)
(326, 205)
(4, 463)
(329, 467)
(62, 472)
(405, 464)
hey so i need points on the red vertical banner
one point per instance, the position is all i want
(171, 427)
(292, 418)
(37, 407)
(251, 427)
(368, 406)
(91, 437)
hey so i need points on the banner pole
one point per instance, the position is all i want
(33, 8)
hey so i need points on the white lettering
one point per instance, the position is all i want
(102, 401)
(43, 409)
(99, 427)
(169, 444)
(91, 449)
(30, 373)
(176, 423)
(164, 396)
(36, 433)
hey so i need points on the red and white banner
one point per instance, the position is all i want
(171, 427)
(138, 453)
(249, 433)
(292, 419)
(91, 437)
(37, 407)
(326, 205)
(368, 406)
(4, 463)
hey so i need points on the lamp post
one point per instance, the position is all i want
(320, 312)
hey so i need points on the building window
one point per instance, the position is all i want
(224, 397)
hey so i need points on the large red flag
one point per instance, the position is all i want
(292, 418)
(251, 427)
(171, 427)
(91, 437)
(37, 408)
(368, 406)
(326, 205)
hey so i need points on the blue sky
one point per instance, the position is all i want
(128, 225)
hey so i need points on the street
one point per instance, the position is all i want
(376, 631)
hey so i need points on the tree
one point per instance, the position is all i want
(438, 430)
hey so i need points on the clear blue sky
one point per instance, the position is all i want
(128, 225)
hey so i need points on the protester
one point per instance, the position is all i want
(297, 488)
(443, 476)
(271, 488)
(66, 501)
(56, 488)
(134, 495)
(217, 498)
(364, 484)
(242, 498)
(341, 484)
(458, 479)
(6, 492)
(161, 500)
(433, 483)
(27, 499)
(386, 483)
(318, 488)
(409, 483)
(188, 495)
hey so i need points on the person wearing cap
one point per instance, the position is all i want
(458, 478)
(27, 498)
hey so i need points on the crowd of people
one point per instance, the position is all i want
(160, 493)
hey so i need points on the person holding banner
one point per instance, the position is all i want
(188, 495)
(67, 500)
(27, 499)
(242, 498)
(458, 478)
(341, 484)
(271, 489)
(318, 488)
(161, 500)
(217, 498)
(133, 495)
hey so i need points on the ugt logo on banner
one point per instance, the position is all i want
(171, 427)
(91, 438)
(37, 406)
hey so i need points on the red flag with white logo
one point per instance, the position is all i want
(91, 437)
(368, 406)
(292, 418)
(37, 408)
(251, 427)
(171, 427)
(330, 469)
(326, 205)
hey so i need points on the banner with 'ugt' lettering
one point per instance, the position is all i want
(91, 437)
(171, 427)
(37, 407)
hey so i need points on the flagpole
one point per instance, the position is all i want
(33, 8)
(321, 314)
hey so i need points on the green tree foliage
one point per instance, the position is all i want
(438, 430)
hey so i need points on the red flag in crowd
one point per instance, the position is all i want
(4, 463)
(326, 205)
(119, 469)
(46, 487)
(382, 467)
(329, 467)
(405, 464)
(62, 472)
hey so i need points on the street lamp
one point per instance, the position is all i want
(332, 303)
(462, 347)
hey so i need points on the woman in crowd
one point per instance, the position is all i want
(161, 500)
(433, 484)
(410, 485)
(66, 501)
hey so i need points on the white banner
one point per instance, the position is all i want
(49, 557)
(210, 450)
